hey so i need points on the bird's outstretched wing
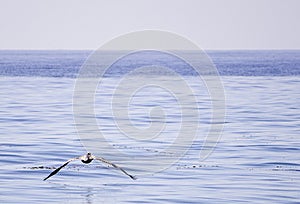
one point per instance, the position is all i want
(115, 166)
(58, 169)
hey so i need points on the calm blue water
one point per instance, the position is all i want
(256, 160)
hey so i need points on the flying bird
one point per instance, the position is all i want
(88, 158)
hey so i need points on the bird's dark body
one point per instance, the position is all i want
(87, 161)
(88, 158)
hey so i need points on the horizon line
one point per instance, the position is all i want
(252, 49)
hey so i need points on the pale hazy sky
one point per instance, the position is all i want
(211, 24)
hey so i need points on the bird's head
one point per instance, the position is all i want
(89, 156)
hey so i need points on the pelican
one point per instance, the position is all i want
(88, 158)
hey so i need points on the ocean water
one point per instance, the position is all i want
(256, 160)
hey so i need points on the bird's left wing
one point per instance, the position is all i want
(59, 168)
(115, 166)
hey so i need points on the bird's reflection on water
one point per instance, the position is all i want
(89, 196)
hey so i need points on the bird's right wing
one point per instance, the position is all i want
(58, 169)
(115, 166)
